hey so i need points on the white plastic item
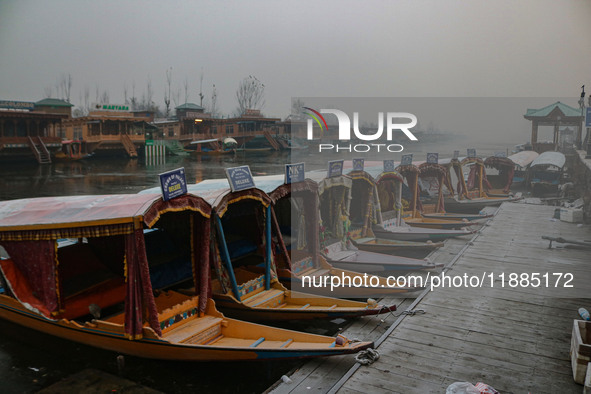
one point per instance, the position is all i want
(461, 388)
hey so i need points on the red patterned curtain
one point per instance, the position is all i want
(201, 266)
(139, 297)
(440, 200)
(472, 177)
(510, 175)
(36, 261)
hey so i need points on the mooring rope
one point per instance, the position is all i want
(367, 356)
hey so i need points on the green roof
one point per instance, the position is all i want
(189, 106)
(52, 102)
(567, 110)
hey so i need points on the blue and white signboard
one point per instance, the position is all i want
(500, 154)
(173, 184)
(432, 158)
(358, 164)
(588, 117)
(335, 168)
(240, 178)
(294, 173)
(389, 165)
(472, 152)
(406, 160)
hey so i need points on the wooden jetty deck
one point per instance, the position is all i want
(515, 339)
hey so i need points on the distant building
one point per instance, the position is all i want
(32, 131)
(192, 125)
(111, 130)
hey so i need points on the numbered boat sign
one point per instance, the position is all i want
(173, 183)
(389, 165)
(358, 164)
(240, 178)
(335, 168)
(294, 173)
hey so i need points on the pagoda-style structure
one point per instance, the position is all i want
(556, 115)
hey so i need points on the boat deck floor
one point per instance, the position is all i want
(516, 339)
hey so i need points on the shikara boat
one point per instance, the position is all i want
(96, 289)
(241, 291)
(413, 215)
(511, 172)
(470, 195)
(396, 247)
(522, 162)
(349, 207)
(295, 217)
(379, 263)
(213, 146)
(546, 173)
(72, 150)
(390, 189)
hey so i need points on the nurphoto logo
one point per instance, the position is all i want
(392, 120)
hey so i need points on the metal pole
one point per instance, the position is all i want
(226, 257)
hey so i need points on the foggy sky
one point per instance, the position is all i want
(478, 48)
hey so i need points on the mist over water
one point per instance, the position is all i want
(118, 175)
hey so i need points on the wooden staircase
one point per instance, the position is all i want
(129, 146)
(39, 150)
(271, 140)
(283, 143)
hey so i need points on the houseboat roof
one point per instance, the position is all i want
(189, 106)
(53, 102)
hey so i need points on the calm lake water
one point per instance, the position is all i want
(30, 360)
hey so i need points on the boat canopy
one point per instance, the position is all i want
(439, 172)
(112, 226)
(556, 159)
(76, 216)
(204, 141)
(523, 158)
(499, 162)
(365, 207)
(276, 188)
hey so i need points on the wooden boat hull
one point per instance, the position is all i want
(378, 263)
(300, 306)
(416, 234)
(438, 223)
(211, 152)
(380, 288)
(475, 205)
(457, 216)
(398, 248)
(111, 337)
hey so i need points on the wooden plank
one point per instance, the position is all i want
(515, 339)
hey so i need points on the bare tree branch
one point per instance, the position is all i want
(250, 94)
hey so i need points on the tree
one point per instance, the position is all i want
(167, 92)
(250, 94)
(212, 106)
(201, 96)
(297, 108)
(65, 86)
(133, 100)
(186, 85)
